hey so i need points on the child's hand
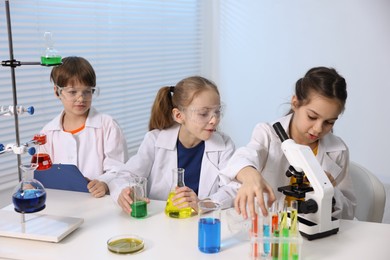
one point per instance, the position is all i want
(124, 200)
(97, 188)
(253, 186)
(185, 197)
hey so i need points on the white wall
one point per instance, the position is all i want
(263, 46)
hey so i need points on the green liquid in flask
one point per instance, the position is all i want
(51, 61)
(173, 211)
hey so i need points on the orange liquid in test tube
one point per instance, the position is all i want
(255, 230)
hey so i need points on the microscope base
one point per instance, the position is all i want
(311, 231)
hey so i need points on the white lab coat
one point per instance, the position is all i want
(157, 156)
(265, 154)
(95, 150)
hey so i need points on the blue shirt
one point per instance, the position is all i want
(191, 160)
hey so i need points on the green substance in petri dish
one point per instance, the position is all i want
(125, 246)
(51, 61)
(139, 209)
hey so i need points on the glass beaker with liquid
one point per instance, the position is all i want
(29, 195)
(209, 227)
(50, 56)
(41, 159)
(138, 189)
(171, 210)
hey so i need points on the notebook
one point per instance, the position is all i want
(62, 177)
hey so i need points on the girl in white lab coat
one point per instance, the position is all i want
(319, 100)
(80, 135)
(183, 133)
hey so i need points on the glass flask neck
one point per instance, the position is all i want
(177, 178)
(28, 170)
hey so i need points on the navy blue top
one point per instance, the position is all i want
(191, 160)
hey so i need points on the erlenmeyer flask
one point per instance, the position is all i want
(42, 159)
(170, 209)
(29, 195)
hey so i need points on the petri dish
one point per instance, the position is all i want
(125, 244)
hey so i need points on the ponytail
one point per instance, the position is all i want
(161, 114)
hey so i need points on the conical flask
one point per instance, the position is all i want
(170, 209)
(29, 195)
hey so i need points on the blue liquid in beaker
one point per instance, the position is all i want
(209, 235)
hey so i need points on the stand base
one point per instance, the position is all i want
(37, 226)
(312, 231)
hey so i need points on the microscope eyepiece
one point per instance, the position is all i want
(280, 131)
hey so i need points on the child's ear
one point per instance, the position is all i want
(294, 102)
(56, 92)
(178, 115)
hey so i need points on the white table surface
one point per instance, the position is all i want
(167, 238)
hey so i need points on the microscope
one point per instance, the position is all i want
(314, 199)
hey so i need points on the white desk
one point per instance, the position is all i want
(167, 238)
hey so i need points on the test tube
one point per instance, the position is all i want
(275, 229)
(285, 232)
(255, 232)
(294, 230)
(266, 235)
(266, 229)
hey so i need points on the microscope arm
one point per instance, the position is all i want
(301, 157)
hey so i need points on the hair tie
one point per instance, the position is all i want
(172, 89)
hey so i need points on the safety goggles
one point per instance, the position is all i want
(205, 114)
(73, 94)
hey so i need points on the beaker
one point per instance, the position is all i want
(41, 159)
(237, 225)
(138, 195)
(177, 180)
(209, 226)
(29, 195)
(50, 56)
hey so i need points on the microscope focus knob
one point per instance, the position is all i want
(309, 206)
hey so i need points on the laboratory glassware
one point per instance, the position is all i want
(29, 195)
(177, 180)
(209, 226)
(138, 195)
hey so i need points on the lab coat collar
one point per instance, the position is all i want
(328, 143)
(93, 120)
(167, 139)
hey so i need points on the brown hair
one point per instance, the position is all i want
(322, 81)
(179, 96)
(73, 70)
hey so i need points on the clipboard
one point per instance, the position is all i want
(62, 177)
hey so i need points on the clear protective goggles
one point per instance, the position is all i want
(205, 114)
(73, 94)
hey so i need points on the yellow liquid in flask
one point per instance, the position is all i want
(173, 211)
